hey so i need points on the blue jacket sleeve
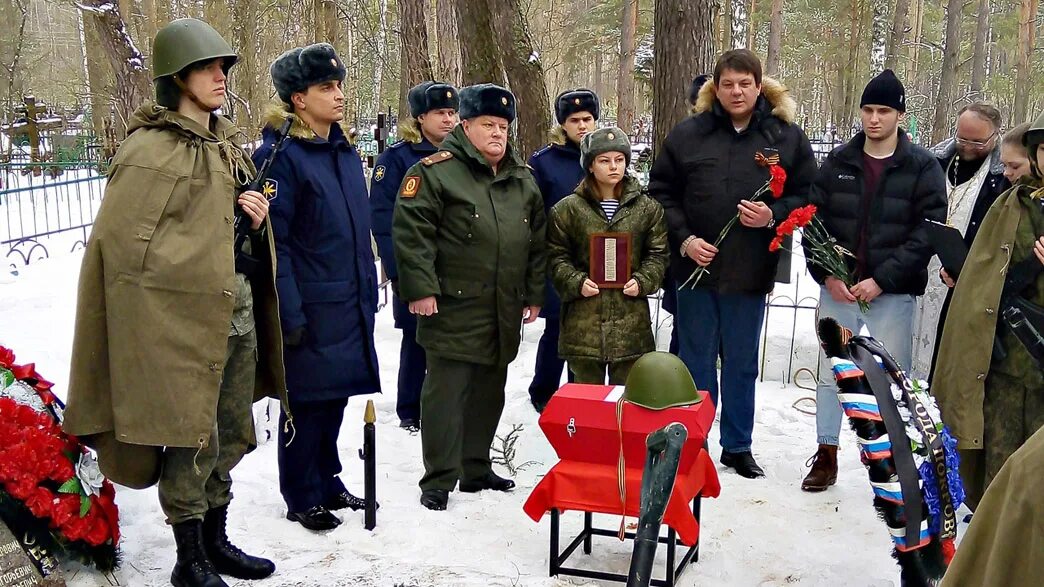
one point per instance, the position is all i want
(281, 212)
(540, 175)
(383, 194)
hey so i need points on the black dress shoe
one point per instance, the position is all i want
(346, 500)
(317, 519)
(410, 424)
(434, 499)
(490, 481)
(743, 462)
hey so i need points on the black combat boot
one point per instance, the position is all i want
(193, 568)
(227, 559)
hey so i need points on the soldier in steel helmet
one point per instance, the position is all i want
(172, 342)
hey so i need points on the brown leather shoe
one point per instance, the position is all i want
(824, 469)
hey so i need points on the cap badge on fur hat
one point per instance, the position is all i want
(576, 101)
(504, 100)
(449, 94)
(611, 136)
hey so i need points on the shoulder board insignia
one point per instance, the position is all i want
(543, 150)
(437, 158)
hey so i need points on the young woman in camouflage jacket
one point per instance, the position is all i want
(605, 329)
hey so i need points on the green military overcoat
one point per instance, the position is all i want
(474, 239)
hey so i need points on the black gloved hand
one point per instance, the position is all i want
(295, 337)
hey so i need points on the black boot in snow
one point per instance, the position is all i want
(193, 568)
(226, 557)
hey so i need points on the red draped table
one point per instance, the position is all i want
(580, 421)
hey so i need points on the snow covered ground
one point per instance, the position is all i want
(760, 532)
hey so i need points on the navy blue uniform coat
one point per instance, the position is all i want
(325, 274)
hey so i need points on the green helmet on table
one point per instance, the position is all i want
(660, 380)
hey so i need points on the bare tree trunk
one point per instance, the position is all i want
(775, 38)
(879, 36)
(479, 53)
(413, 36)
(131, 84)
(525, 74)
(246, 78)
(684, 43)
(854, 34)
(982, 27)
(948, 77)
(13, 69)
(726, 26)
(1027, 38)
(382, 45)
(152, 23)
(750, 25)
(895, 37)
(625, 73)
(449, 48)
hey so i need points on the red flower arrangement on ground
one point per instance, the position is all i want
(50, 484)
(822, 249)
(774, 185)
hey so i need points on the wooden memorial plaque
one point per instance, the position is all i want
(17, 568)
(611, 259)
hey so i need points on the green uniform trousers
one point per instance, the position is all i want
(461, 403)
(593, 372)
(194, 480)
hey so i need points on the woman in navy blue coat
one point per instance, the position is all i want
(325, 277)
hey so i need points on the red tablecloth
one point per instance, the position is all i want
(588, 487)
(580, 422)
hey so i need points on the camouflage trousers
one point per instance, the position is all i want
(195, 480)
(593, 371)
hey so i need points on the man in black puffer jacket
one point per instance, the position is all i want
(707, 170)
(873, 195)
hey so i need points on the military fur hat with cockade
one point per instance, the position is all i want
(570, 102)
(486, 100)
(301, 67)
(601, 141)
(427, 96)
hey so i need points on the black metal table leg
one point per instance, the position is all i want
(553, 559)
(587, 532)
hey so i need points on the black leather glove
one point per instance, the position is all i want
(295, 337)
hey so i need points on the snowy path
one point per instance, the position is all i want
(762, 532)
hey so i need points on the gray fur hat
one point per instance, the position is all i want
(604, 140)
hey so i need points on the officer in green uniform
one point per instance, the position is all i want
(468, 234)
(175, 335)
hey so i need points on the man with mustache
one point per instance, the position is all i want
(468, 232)
(433, 114)
(326, 279)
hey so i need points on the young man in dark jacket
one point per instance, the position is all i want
(326, 279)
(708, 167)
(873, 195)
(557, 171)
(433, 114)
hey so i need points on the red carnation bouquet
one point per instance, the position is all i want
(821, 248)
(52, 492)
(774, 185)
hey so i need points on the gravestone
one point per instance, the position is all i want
(17, 569)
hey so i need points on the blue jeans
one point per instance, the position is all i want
(710, 324)
(889, 320)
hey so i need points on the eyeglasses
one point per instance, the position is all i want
(975, 144)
